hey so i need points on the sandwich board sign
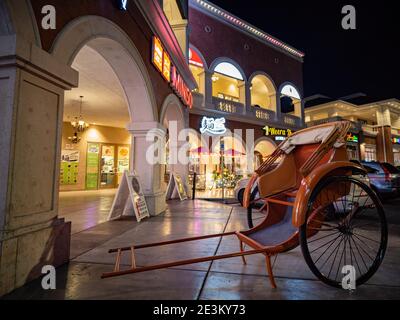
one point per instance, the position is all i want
(129, 199)
(175, 188)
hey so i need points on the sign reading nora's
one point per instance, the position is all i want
(271, 131)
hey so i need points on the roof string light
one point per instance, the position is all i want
(249, 28)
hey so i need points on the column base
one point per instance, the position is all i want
(22, 257)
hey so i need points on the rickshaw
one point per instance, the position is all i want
(311, 197)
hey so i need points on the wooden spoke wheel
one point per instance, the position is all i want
(346, 226)
(254, 218)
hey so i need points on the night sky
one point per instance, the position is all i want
(338, 62)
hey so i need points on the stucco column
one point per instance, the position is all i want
(205, 86)
(384, 145)
(146, 135)
(245, 95)
(31, 112)
(278, 111)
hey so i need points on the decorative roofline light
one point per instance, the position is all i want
(247, 27)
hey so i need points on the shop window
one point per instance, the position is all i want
(263, 93)
(196, 66)
(228, 83)
(396, 155)
(370, 153)
(291, 101)
(352, 152)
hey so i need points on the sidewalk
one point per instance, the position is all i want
(223, 279)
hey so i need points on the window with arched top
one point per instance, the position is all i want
(228, 83)
(197, 66)
(263, 93)
(290, 100)
(290, 91)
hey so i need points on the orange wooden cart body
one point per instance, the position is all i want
(285, 180)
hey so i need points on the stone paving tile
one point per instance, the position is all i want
(82, 281)
(227, 279)
(247, 287)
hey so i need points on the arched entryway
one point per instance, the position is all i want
(174, 118)
(119, 108)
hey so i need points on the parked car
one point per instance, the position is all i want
(384, 178)
(239, 189)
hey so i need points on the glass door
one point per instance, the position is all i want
(122, 162)
(108, 170)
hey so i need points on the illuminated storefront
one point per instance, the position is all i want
(240, 87)
(128, 60)
(375, 125)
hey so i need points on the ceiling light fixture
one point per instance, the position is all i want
(79, 124)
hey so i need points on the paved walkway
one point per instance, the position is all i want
(224, 279)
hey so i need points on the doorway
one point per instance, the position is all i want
(114, 161)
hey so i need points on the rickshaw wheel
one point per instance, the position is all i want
(346, 226)
(250, 218)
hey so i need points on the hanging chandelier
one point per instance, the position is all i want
(74, 138)
(78, 123)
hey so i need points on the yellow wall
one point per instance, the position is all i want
(225, 85)
(196, 71)
(261, 99)
(94, 133)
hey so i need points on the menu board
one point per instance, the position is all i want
(129, 199)
(176, 188)
(92, 165)
(69, 167)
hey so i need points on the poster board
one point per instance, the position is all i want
(129, 199)
(176, 188)
(69, 167)
(92, 166)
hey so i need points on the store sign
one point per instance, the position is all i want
(352, 137)
(396, 140)
(181, 88)
(271, 131)
(262, 115)
(162, 62)
(213, 126)
(226, 107)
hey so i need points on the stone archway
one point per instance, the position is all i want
(174, 117)
(114, 45)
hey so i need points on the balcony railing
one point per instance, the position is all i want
(262, 114)
(249, 112)
(291, 120)
(355, 125)
(227, 106)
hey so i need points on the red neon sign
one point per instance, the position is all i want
(181, 88)
(162, 62)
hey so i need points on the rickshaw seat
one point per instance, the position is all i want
(276, 233)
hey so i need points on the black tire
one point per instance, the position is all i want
(250, 219)
(358, 221)
(240, 196)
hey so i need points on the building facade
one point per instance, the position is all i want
(243, 76)
(81, 86)
(375, 131)
(117, 56)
